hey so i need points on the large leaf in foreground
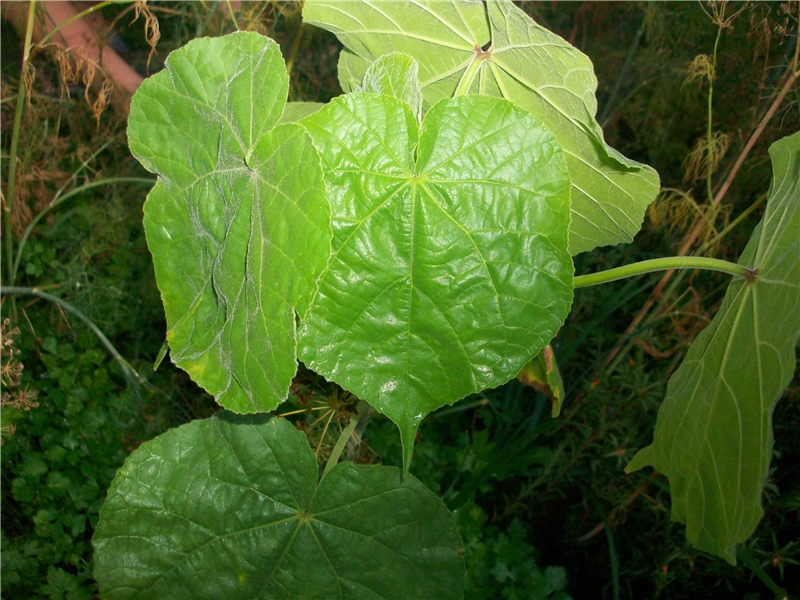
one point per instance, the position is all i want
(238, 223)
(522, 62)
(713, 437)
(450, 267)
(229, 507)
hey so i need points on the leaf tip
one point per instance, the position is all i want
(408, 435)
(641, 459)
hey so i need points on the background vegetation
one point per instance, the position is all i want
(544, 506)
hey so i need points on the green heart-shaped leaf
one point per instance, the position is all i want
(713, 436)
(494, 48)
(450, 267)
(238, 222)
(230, 507)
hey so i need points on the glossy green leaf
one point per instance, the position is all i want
(395, 75)
(713, 437)
(238, 222)
(542, 373)
(450, 267)
(495, 48)
(230, 507)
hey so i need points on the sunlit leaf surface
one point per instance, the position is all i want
(495, 48)
(713, 437)
(230, 507)
(450, 267)
(238, 223)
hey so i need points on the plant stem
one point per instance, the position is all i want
(751, 563)
(611, 104)
(78, 17)
(469, 75)
(709, 128)
(295, 46)
(340, 444)
(12, 160)
(665, 264)
(233, 16)
(60, 200)
(130, 373)
(365, 412)
(614, 562)
(792, 74)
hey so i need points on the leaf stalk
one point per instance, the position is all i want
(365, 412)
(665, 264)
(127, 370)
(471, 71)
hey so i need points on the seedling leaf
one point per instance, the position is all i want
(395, 75)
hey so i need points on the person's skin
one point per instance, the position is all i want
(78, 34)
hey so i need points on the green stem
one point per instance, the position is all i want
(461, 407)
(611, 103)
(295, 46)
(733, 224)
(614, 561)
(674, 284)
(751, 563)
(233, 16)
(78, 17)
(709, 128)
(665, 264)
(340, 444)
(469, 75)
(12, 160)
(365, 412)
(56, 203)
(130, 373)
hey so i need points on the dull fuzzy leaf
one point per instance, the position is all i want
(238, 222)
(713, 437)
